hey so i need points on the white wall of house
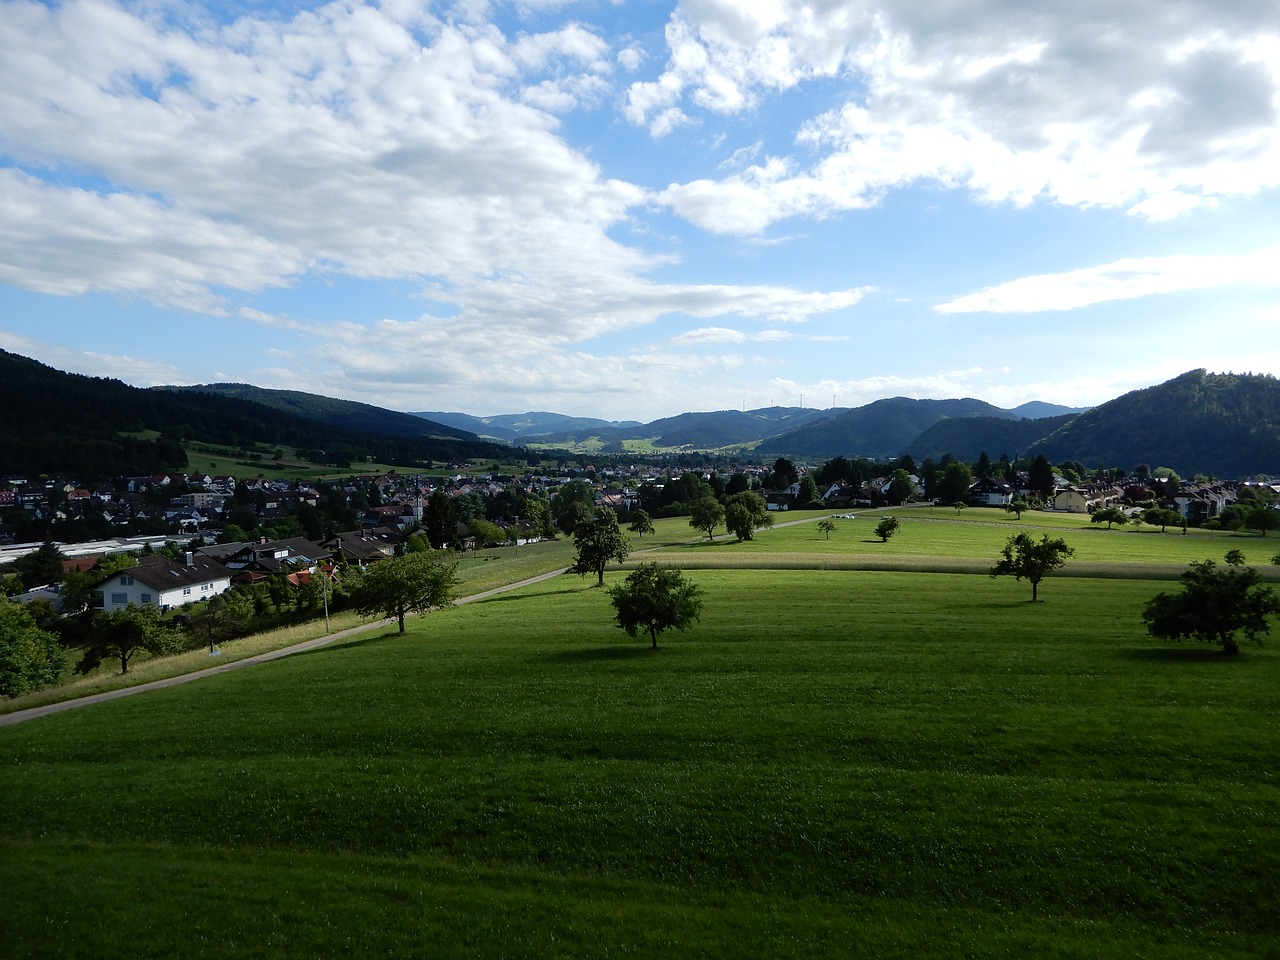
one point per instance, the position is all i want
(124, 589)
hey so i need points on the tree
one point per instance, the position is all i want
(1213, 606)
(809, 493)
(41, 566)
(784, 474)
(901, 487)
(398, 586)
(1017, 506)
(442, 520)
(706, 514)
(30, 658)
(827, 526)
(1040, 477)
(956, 480)
(655, 599)
(1109, 515)
(1023, 557)
(641, 523)
(886, 528)
(744, 513)
(1162, 517)
(599, 539)
(119, 634)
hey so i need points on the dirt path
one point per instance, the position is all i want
(18, 716)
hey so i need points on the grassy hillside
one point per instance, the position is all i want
(832, 763)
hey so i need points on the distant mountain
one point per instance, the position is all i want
(512, 427)
(343, 414)
(883, 429)
(1225, 425)
(1039, 410)
(967, 438)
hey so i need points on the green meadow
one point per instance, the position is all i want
(833, 762)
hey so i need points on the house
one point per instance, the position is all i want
(256, 561)
(164, 583)
(1075, 499)
(989, 492)
(363, 546)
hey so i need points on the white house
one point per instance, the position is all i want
(164, 583)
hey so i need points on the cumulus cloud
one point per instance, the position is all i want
(1146, 106)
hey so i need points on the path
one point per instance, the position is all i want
(18, 716)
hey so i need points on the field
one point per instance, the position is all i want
(833, 762)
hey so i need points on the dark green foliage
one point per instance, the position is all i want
(40, 567)
(1017, 506)
(655, 599)
(1109, 516)
(706, 514)
(396, 587)
(1040, 477)
(30, 658)
(1214, 605)
(745, 513)
(953, 486)
(1026, 558)
(599, 539)
(1162, 517)
(641, 523)
(886, 528)
(120, 634)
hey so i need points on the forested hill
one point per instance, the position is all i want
(343, 414)
(56, 422)
(1225, 425)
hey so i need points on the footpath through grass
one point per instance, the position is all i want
(832, 763)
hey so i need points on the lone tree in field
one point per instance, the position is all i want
(119, 634)
(1163, 517)
(396, 587)
(1213, 606)
(706, 514)
(1017, 506)
(599, 539)
(641, 523)
(655, 599)
(1109, 515)
(746, 512)
(1025, 558)
(886, 528)
(827, 526)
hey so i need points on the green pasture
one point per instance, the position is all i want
(939, 539)
(831, 763)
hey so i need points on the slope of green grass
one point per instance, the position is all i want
(831, 763)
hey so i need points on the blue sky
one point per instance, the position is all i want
(630, 210)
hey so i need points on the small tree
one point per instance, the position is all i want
(398, 586)
(1017, 506)
(655, 599)
(599, 539)
(1109, 515)
(886, 528)
(119, 634)
(30, 658)
(641, 523)
(827, 527)
(1028, 559)
(1213, 606)
(706, 513)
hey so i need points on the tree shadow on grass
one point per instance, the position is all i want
(369, 639)
(512, 597)
(1205, 654)
(598, 654)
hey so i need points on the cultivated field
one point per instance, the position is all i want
(834, 762)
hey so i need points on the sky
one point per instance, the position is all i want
(629, 210)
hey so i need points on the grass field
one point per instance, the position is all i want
(831, 763)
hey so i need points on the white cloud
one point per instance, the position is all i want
(1120, 280)
(1146, 106)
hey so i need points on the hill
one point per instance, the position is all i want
(511, 427)
(1224, 425)
(966, 438)
(884, 428)
(95, 427)
(343, 414)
